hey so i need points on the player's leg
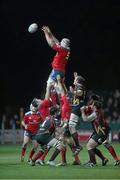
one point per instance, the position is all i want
(33, 150)
(41, 139)
(72, 147)
(42, 158)
(100, 155)
(53, 96)
(36, 157)
(91, 145)
(26, 140)
(58, 146)
(96, 140)
(74, 119)
(63, 155)
(111, 150)
(61, 85)
(52, 79)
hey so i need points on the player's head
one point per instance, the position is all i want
(65, 43)
(80, 89)
(96, 100)
(35, 104)
(79, 83)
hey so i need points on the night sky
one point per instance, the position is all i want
(93, 28)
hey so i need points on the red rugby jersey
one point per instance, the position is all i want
(32, 119)
(61, 58)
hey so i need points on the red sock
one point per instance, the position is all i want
(38, 155)
(113, 153)
(23, 151)
(44, 155)
(31, 153)
(76, 157)
(63, 154)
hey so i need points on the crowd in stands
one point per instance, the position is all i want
(112, 106)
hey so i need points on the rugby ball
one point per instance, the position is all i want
(33, 28)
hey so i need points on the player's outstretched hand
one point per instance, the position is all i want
(46, 29)
(58, 77)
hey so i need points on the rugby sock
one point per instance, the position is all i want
(63, 154)
(23, 151)
(91, 153)
(75, 157)
(75, 138)
(54, 155)
(38, 155)
(44, 155)
(31, 153)
(99, 154)
(112, 152)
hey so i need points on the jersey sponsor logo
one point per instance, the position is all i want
(99, 129)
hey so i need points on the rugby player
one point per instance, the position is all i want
(31, 122)
(60, 60)
(78, 101)
(106, 143)
(100, 129)
(45, 136)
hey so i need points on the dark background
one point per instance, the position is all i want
(94, 30)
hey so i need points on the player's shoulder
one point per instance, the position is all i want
(60, 48)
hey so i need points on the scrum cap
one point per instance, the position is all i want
(65, 43)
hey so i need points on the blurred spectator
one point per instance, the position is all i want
(112, 106)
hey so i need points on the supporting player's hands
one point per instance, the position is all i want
(58, 78)
(75, 74)
(71, 89)
(75, 78)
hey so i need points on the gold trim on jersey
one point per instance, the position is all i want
(76, 101)
(98, 129)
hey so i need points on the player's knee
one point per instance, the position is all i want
(59, 145)
(106, 144)
(35, 147)
(24, 145)
(89, 146)
(72, 123)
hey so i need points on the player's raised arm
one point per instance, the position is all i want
(49, 36)
(47, 94)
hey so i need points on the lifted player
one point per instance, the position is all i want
(61, 58)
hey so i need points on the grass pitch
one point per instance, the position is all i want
(12, 168)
